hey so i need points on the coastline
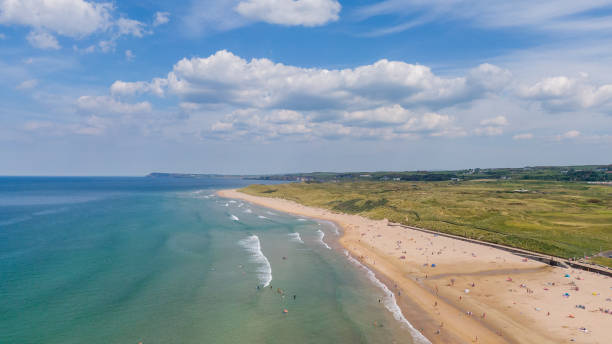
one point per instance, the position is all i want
(457, 292)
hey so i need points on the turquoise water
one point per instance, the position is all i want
(128, 260)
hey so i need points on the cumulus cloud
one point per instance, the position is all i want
(69, 18)
(43, 40)
(380, 123)
(74, 18)
(392, 99)
(562, 93)
(260, 83)
(121, 88)
(161, 18)
(290, 12)
(489, 77)
(491, 126)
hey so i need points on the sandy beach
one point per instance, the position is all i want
(460, 292)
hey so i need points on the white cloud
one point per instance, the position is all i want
(129, 55)
(27, 84)
(549, 88)
(495, 121)
(101, 105)
(381, 123)
(122, 88)
(489, 77)
(572, 134)
(132, 27)
(290, 12)
(73, 18)
(224, 78)
(491, 126)
(43, 40)
(524, 136)
(161, 18)
(106, 46)
(563, 93)
(69, 18)
(393, 99)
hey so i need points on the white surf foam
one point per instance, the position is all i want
(232, 201)
(389, 301)
(264, 271)
(302, 220)
(295, 237)
(227, 204)
(234, 217)
(331, 224)
(270, 213)
(248, 211)
(200, 194)
(321, 235)
(261, 217)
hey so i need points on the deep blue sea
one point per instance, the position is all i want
(164, 260)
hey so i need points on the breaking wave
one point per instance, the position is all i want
(321, 235)
(389, 301)
(295, 237)
(264, 271)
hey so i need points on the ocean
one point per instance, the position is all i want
(164, 260)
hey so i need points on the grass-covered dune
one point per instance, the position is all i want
(558, 218)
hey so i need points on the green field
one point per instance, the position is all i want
(564, 219)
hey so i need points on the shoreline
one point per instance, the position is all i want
(467, 295)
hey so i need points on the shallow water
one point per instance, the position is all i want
(128, 260)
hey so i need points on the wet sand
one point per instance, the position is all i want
(460, 292)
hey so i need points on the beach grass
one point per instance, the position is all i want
(565, 219)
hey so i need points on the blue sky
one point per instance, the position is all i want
(273, 86)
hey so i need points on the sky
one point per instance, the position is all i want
(278, 86)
